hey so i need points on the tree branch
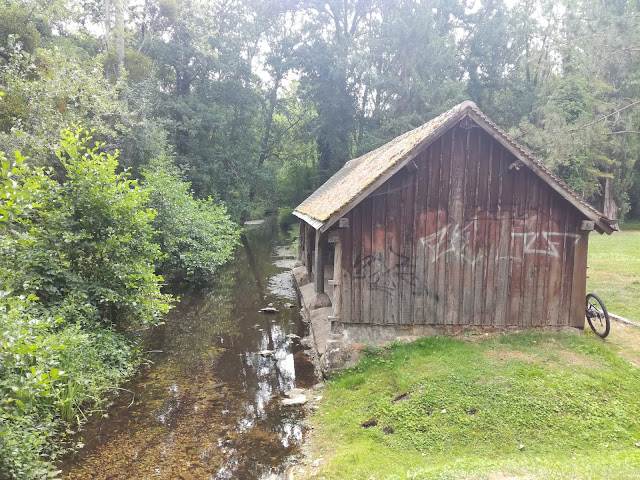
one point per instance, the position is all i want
(604, 117)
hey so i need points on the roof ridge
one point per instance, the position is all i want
(361, 175)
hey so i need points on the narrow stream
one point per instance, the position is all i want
(207, 406)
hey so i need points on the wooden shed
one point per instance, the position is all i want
(452, 224)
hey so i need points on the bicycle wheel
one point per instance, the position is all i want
(597, 315)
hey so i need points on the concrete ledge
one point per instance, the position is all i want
(307, 294)
(624, 320)
(382, 334)
(320, 328)
(315, 310)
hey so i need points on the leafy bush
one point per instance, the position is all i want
(91, 237)
(295, 182)
(195, 236)
(45, 90)
(49, 370)
(286, 218)
(15, 198)
(76, 258)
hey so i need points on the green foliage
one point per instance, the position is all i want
(90, 238)
(46, 90)
(76, 258)
(295, 182)
(138, 66)
(50, 370)
(195, 236)
(15, 22)
(212, 83)
(286, 218)
(580, 156)
(614, 270)
(63, 86)
(17, 190)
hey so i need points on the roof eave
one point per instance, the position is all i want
(316, 224)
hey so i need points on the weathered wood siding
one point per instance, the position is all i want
(464, 240)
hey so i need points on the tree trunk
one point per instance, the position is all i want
(271, 107)
(119, 33)
(107, 23)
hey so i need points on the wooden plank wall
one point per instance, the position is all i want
(464, 240)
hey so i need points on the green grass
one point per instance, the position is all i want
(614, 270)
(569, 399)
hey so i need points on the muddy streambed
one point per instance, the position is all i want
(207, 406)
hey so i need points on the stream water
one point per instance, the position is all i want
(207, 406)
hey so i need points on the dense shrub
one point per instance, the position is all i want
(90, 237)
(76, 259)
(286, 218)
(78, 255)
(50, 369)
(195, 235)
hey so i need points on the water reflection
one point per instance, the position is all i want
(208, 406)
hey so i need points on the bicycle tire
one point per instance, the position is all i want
(597, 315)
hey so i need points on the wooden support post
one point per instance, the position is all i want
(318, 277)
(308, 249)
(579, 291)
(301, 240)
(337, 275)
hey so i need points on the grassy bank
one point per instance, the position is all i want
(528, 405)
(535, 405)
(614, 270)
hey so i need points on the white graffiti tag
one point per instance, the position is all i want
(549, 240)
(450, 239)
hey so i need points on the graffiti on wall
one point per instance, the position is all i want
(384, 276)
(387, 277)
(451, 240)
(386, 271)
(545, 243)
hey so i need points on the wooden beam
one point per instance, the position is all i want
(579, 290)
(308, 248)
(587, 226)
(301, 235)
(318, 277)
(412, 167)
(336, 299)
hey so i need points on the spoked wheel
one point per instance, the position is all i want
(597, 315)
